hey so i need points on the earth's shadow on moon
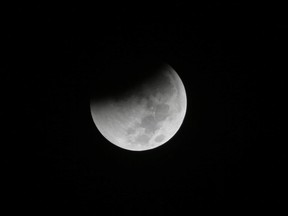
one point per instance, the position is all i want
(120, 79)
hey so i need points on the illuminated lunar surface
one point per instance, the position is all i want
(147, 118)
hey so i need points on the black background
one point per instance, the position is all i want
(227, 154)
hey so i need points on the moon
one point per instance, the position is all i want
(147, 116)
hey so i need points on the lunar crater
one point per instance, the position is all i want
(160, 138)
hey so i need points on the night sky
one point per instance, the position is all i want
(226, 155)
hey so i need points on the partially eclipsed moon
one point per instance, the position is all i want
(147, 118)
